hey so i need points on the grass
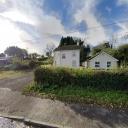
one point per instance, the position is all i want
(10, 74)
(75, 94)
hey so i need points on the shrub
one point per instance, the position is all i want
(104, 80)
(33, 64)
(48, 61)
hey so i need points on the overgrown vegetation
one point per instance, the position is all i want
(76, 94)
(106, 88)
(103, 80)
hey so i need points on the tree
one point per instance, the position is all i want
(2, 55)
(67, 41)
(103, 46)
(84, 52)
(33, 55)
(122, 54)
(16, 52)
(49, 49)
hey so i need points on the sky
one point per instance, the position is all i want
(32, 24)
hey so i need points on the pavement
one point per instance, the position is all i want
(58, 113)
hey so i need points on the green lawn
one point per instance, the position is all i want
(116, 99)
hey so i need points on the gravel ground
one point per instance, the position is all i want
(8, 123)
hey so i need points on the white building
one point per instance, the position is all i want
(5, 60)
(67, 56)
(101, 61)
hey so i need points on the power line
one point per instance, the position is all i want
(103, 25)
(91, 28)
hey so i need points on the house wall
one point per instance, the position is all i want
(103, 59)
(4, 61)
(69, 60)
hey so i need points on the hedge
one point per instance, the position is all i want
(104, 80)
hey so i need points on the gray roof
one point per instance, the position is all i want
(67, 47)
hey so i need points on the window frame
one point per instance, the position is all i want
(63, 56)
(97, 64)
(109, 63)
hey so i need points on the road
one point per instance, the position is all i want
(17, 83)
(12, 102)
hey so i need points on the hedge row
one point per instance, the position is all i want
(116, 80)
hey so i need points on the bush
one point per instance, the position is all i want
(33, 64)
(48, 61)
(104, 80)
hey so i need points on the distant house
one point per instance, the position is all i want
(67, 56)
(4, 60)
(101, 61)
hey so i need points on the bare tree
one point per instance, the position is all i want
(49, 49)
(125, 36)
(113, 40)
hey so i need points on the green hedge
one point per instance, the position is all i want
(116, 79)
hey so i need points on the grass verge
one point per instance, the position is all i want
(11, 74)
(75, 94)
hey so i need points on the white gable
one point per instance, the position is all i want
(105, 55)
(102, 61)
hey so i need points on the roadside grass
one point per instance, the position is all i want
(11, 74)
(75, 94)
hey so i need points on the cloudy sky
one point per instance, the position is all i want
(31, 24)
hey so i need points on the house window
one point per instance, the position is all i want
(73, 54)
(97, 64)
(63, 56)
(108, 64)
(73, 63)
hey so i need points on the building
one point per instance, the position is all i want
(101, 61)
(4, 61)
(67, 56)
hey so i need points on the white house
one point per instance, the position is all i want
(67, 56)
(101, 61)
(5, 60)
